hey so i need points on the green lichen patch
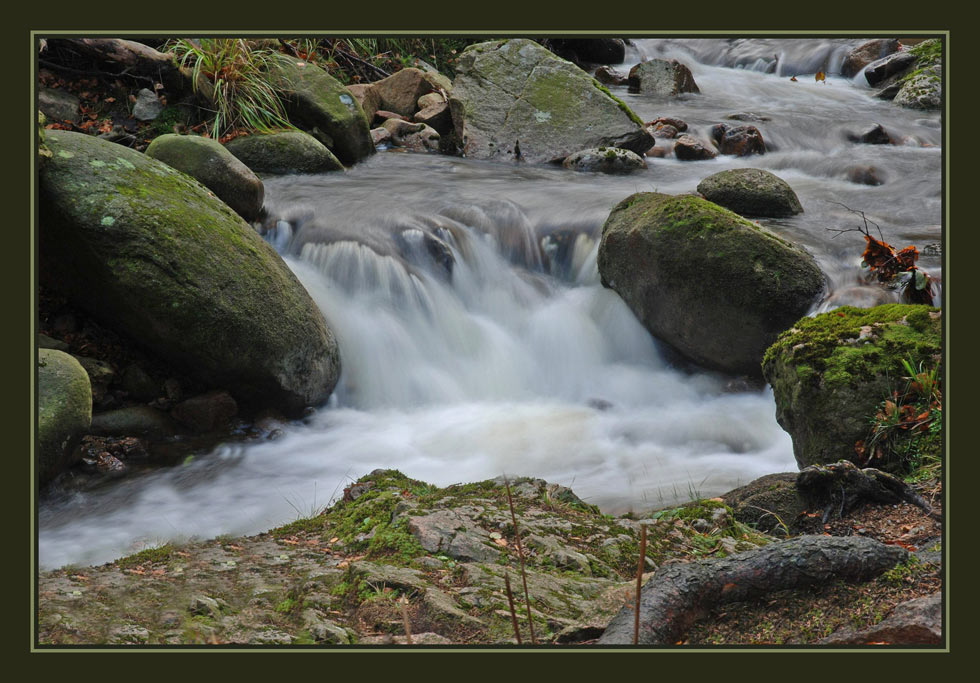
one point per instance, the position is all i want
(150, 556)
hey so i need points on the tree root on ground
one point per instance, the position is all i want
(678, 594)
(841, 486)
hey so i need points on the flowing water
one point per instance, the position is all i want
(475, 336)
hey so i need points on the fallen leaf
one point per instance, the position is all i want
(820, 76)
(793, 78)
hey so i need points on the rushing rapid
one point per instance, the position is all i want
(476, 338)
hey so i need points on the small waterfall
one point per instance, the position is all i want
(476, 338)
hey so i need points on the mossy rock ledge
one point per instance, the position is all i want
(716, 287)
(516, 91)
(152, 254)
(64, 402)
(829, 373)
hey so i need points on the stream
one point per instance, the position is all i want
(476, 339)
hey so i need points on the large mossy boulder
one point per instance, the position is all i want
(515, 91)
(64, 410)
(751, 192)
(286, 152)
(149, 251)
(319, 103)
(829, 373)
(714, 286)
(215, 167)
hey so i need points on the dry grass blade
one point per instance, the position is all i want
(520, 555)
(639, 584)
(408, 623)
(513, 612)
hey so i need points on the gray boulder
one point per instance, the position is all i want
(716, 287)
(320, 104)
(923, 89)
(665, 77)
(215, 167)
(829, 373)
(751, 192)
(880, 71)
(147, 106)
(64, 410)
(58, 105)
(417, 137)
(605, 160)
(151, 252)
(864, 54)
(515, 91)
(286, 152)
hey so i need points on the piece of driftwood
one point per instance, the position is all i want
(677, 594)
(121, 58)
(841, 486)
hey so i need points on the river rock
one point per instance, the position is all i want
(590, 50)
(689, 148)
(152, 253)
(417, 137)
(147, 106)
(609, 76)
(285, 152)
(865, 175)
(215, 167)
(914, 622)
(675, 123)
(770, 503)
(716, 287)
(207, 412)
(367, 97)
(400, 92)
(380, 136)
(437, 116)
(64, 410)
(605, 160)
(319, 103)
(429, 100)
(58, 105)
(739, 141)
(864, 54)
(922, 90)
(829, 373)
(510, 91)
(134, 421)
(665, 77)
(880, 70)
(751, 192)
(873, 135)
(46, 342)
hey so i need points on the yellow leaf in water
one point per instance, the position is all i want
(821, 77)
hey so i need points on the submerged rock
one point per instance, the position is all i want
(689, 148)
(830, 373)
(215, 167)
(605, 160)
(703, 279)
(515, 91)
(151, 253)
(739, 141)
(285, 152)
(751, 192)
(64, 405)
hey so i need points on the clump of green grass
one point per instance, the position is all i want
(906, 429)
(230, 75)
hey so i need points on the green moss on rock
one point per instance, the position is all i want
(64, 410)
(181, 273)
(714, 286)
(830, 372)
